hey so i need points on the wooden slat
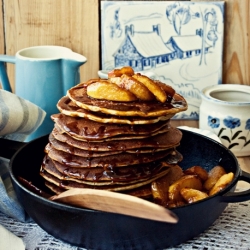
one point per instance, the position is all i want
(72, 24)
(237, 56)
(236, 42)
(1, 29)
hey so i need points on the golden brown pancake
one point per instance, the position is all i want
(99, 176)
(92, 153)
(167, 140)
(78, 95)
(85, 129)
(110, 161)
(175, 172)
(73, 183)
(67, 107)
(55, 189)
(76, 151)
(114, 138)
(145, 192)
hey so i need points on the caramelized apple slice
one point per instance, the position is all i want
(192, 195)
(134, 86)
(160, 186)
(197, 170)
(213, 176)
(187, 181)
(109, 91)
(159, 190)
(168, 89)
(152, 86)
(222, 182)
(119, 72)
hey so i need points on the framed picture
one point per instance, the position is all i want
(177, 42)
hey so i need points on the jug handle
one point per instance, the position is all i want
(3, 74)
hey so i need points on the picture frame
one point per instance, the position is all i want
(179, 43)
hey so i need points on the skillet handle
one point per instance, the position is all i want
(238, 196)
(9, 147)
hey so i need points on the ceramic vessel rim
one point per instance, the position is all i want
(65, 51)
(206, 93)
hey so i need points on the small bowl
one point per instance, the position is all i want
(225, 110)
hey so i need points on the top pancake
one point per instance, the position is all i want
(78, 95)
(68, 107)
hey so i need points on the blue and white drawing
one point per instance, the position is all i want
(180, 42)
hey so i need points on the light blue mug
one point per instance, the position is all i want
(43, 74)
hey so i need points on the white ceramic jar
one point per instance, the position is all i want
(225, 110)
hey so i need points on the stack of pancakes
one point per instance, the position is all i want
(103, 143)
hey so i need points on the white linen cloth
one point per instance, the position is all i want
(10, 241)
(18, 119)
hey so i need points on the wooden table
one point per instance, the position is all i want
(244, 165)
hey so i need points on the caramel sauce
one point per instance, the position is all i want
(108, 170)
(33, 188)
(143, 106)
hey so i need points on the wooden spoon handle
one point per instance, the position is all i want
(113, 202)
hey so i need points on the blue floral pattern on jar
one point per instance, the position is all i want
(247, 124)
(247, 127)
(213, 122)
(231, 123)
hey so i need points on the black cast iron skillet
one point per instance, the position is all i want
(100, 230)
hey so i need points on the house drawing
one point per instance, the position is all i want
(187, 46)
(146, 50)
(180, 43)
(142, 50)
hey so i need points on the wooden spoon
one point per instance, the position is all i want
(108, 201)
(113, 202)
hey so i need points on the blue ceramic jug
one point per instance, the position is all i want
(43, 74)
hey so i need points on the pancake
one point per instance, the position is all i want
(69, 184)
(78, 95)
(76, 151)
(175, 172)
(98, 138)
(144, 192)
(110, 161)
(166, 140)
(92, 153)
(99, 176)
(55, 189)
(85, 129)
(69, 108)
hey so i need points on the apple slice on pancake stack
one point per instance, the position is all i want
(115, 135)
